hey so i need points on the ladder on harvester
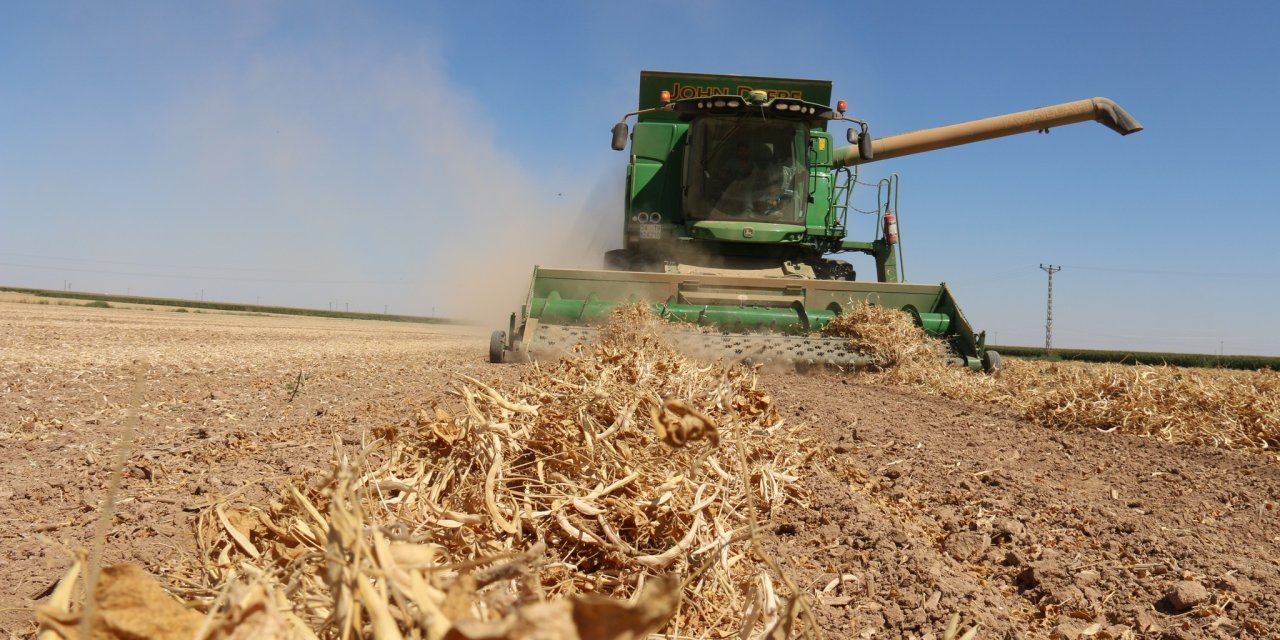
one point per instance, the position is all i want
(845, 179)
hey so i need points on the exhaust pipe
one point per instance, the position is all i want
(1102, 110)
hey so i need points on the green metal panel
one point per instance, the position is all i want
(654, 140)
(819, 216)
(656, 177)
(734, 231)
(648, 185)
(820, 149)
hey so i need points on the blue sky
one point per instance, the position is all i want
(423, 156)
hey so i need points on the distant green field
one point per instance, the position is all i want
(222, 306)
(1249, 363)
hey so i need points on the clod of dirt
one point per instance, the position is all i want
(1087, 577)
(1073, 628)
(1148, 622)
(1116, 632)
(1039, 573)
(1187, 594)
(1238, 584)
(966, 545)
(1008, 529)
(1013, 559)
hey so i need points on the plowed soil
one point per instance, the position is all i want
(918, 507)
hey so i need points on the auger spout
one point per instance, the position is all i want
(1101, 110)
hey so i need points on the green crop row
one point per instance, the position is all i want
(1248, 363)
(224, 306)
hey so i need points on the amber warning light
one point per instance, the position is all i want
(841, 105)
(665, 96)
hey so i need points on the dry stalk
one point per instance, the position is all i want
(107, 510)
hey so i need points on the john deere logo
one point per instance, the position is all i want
(747, 232)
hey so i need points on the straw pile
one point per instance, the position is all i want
(608, 495)
(1216, 407)
(888, 336)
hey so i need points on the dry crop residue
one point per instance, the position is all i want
(906, 508)
(559, 484)
(1216, 407)
(626, 471)
(215, 421)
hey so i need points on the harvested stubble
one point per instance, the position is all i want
(607, 495)
(1217, 407)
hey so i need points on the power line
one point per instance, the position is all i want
(1188, 274)
(988, 277)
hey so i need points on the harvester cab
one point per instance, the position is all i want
(736, 199)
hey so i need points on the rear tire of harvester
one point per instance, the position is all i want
(991, 362)
(497, 346)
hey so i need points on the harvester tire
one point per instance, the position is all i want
(836, 270)
(991, 362)
(497, 346)
(617, 260)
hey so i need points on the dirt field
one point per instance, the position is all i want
(922, 507)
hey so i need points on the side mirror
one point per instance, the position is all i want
(865, 149)
(851, 136)
(620, 134)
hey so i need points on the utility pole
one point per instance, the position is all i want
(1048, 314)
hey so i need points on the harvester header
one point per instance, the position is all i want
(737, 201)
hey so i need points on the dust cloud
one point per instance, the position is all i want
(368, 176)
(489, 273)
(497, 216)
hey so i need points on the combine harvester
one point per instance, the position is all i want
(735, 198)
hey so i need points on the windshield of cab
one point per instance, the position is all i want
(747, 168)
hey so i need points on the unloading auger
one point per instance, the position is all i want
(736, 198)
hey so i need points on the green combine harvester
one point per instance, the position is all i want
(736, 197)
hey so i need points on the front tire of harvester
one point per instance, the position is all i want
(841, 270)
(617, 260)
(497, 346)
(991, 362)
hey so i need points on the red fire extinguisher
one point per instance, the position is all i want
(890, 227)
